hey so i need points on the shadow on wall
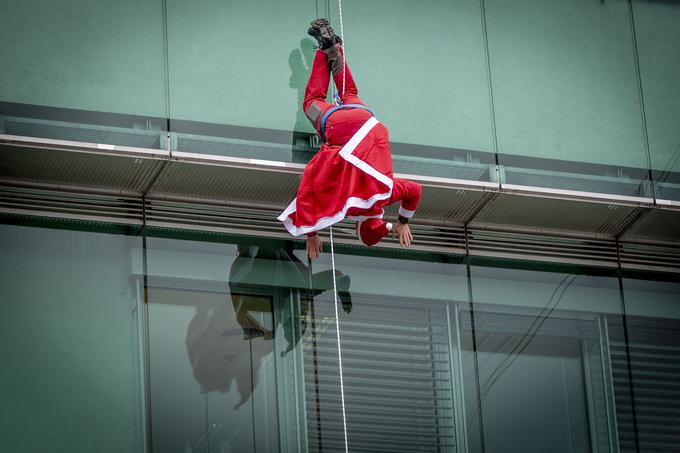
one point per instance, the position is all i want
(230, 341)
(300, 64)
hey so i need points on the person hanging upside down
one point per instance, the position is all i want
(351, 174)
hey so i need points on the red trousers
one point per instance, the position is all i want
(351, 175)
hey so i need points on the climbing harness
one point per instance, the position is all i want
(329, 112)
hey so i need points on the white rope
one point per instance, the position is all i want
(335, 289)
(337, 330)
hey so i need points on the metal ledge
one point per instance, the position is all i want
(545, 215)
(658, 225)
(83, 147)
(237, 162)
(154, 174)
(574, 195)
(243, 219)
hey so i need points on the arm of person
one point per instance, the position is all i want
(314, 246)
(404, 232)
(408, 193)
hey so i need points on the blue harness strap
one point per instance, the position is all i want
(330, 111)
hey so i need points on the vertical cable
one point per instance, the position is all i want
(624, 319)
(166, 64)
(643, 116)
(474, 343)
(492, 107)
(315, 360)
(252, 399)
(146, 339)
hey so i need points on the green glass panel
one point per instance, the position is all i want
(658, 40)
(236, 71)
(540, 346)
(421, 66)
(83, 70)
(233, 96)
(566, 95)
(71, 376)
(236, 88)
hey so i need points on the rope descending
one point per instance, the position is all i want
(337, 330)
(335, 289)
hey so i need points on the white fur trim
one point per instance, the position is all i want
(348, 149)
(405, 212)
(351, 202)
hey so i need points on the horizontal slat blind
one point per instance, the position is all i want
(397, 379)
(654, 346)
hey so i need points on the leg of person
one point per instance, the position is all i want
(315, 103)
(336, 59)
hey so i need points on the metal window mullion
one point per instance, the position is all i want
(456, 370)
(610, 400)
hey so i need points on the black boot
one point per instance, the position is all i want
(322, 31)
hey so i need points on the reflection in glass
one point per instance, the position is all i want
(242, 350)
(398, 358)
(225, 323)
(204, 402)
(542, 362)
(397, 377)
(213, 385)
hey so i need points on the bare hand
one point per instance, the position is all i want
(404, 232)
(314, 246)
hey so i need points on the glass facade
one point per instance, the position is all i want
(462, 85)
(71, 335)
(208, 343)
(656, 31)
(142, 339)
(651, 340)
(555, 94)
(540, 360)
(84, 71)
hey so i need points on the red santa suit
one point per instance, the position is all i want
(351, 175)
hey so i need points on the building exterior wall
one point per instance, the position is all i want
(142, 339)
(586, 90)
